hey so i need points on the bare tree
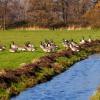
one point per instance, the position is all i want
(45, 13)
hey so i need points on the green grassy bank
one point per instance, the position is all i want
(13, 82)
(13, 61)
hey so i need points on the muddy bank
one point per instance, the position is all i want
(12, 82)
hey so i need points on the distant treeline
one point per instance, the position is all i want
(49, 13)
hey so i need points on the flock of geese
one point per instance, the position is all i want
(46, 46)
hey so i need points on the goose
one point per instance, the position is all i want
(29, 47)
(65, 43)
(89, 40)
(13, 47)
(54, 45)
(43, 46)
(73, 48)
(2, 48)
(48, 46)
(74, 43)
(82, 41)
(53, 48)
(45, 49)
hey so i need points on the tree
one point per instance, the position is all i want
(43, 13)
(93, 16)
(3, 8)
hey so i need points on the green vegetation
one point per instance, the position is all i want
(45, 73)
(13, 82)
(14, 60)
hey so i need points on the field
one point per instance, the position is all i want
(15, 60)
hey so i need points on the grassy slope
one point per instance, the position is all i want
(13, 60)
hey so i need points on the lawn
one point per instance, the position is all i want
(15, 60)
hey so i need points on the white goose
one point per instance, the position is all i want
(48, 46)
(73, 48)
(45, 48)
(29, 47)
(13, 47)
(82, 41)
(89, 40)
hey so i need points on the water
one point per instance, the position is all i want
(77, 83)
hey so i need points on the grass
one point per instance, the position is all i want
(42, 73)
(14, 60)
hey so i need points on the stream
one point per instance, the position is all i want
(77, 83)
